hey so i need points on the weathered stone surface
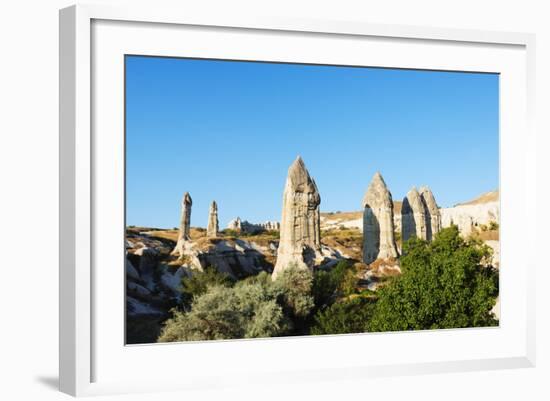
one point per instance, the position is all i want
(300, 241)
(235, 224)
(378, 229)
(247, 227)
(468, 217)
(235, 257)
(213, 227)
(148, 260)
(433, 215)
(185, 224)
(413, 216)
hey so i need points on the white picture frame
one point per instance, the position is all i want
(85, 356)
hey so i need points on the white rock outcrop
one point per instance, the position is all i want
(378, 228)
(468, 217)
(247, 227)
(431, 210)
(212, 228)
(185, 224)
(413, 216)
(300, 240)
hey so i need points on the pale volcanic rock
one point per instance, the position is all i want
(212, 229)
(433, 216)
(469, 216)
(235, 224)
(413, 216)
(237, 258)
(378, 228)
(300, 241)
(252, 228)
(185, 224)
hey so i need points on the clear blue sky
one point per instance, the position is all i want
(228, 131)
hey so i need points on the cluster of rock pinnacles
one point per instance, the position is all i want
(300, 229)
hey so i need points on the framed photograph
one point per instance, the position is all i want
(280, 200)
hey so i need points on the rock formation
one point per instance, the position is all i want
(213, 227)
(413, 216)
(247, 227)
(235, 224)
(479, 212)
(433, 216)
(300, 241)
(185, 224)
(378, 229)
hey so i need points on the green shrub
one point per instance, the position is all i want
(444, 284)
(247, 310)
(254, 307)
(197, 284)
(294, 285)
(350, 316)
(328, 285)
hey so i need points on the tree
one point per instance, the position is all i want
(214, 316)
(348, 316)
(247, 310)
(197, 284)
(254, 307)
(328, 285)
(444, 284)
(294, 288)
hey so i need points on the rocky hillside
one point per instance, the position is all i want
(154, 275)
(478, 213)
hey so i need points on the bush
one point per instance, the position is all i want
(444, 284)
(350, 316)
(294, 285)
(199, 281)
(493, 225)
(328, 285)
(248, 310)
(254, 307)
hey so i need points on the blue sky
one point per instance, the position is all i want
(228, 131)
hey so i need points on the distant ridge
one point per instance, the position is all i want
(487, 197)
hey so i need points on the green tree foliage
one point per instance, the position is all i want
(444, 284)
(254, 307)
(294, 286)
(328, 285)
(197, 284)
(348, 316)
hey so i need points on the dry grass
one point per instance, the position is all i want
(489, 235)
(487, 197)
(384, 267)
(342, 215)
(346, 240)
(331, 216)
(397, 205)
(171, 235)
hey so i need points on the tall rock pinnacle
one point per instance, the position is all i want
(433, 215)
(378, 228)
(300, 223)
(213, 225)
(185, 224)
(413, 216)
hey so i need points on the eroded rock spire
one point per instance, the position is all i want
(185, 224)
(213, 224)
(433, 215)
(413, 216)
(300, 223)
(378, 228)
